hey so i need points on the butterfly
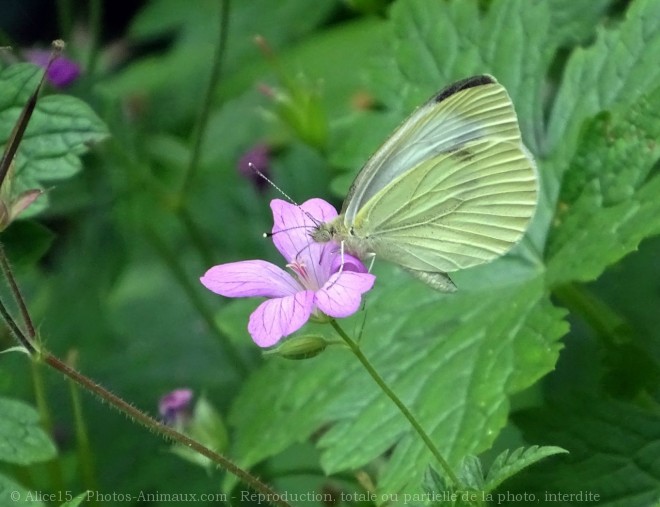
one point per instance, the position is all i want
(453, 187)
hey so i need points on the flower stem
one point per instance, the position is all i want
(95, 22)
(16, 293)
(202, 119)
(355, 348)
(85, 454)
(42, 355)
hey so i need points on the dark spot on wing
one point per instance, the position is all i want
(463, 84)
(461, 153)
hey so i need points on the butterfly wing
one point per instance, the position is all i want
(475, 108)
(454, 210)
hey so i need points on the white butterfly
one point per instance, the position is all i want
(453, 187)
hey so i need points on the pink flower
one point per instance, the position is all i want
(319, 284)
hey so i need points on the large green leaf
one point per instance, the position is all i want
(453, 360)
(618, 69)
(614, 452)
(61, 129)
(608, 203)
(575, 22)
(436, 43)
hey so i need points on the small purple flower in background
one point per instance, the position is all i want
(259, 157)
(319, 284)
(61, 73)
(174, 407)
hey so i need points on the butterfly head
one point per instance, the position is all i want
(324, 232)
(334, 230)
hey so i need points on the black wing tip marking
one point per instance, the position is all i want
(464, 84)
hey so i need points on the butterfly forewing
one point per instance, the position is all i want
(455, 210)
(471, 109)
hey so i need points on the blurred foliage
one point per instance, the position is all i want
(558, 343)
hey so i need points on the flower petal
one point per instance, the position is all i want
(276, 318)
(351, 263)
(293, 224)
(342, 294)
(249, 279)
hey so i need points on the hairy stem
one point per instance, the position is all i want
(16, 293)
(167, 432)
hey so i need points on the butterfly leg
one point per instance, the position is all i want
(372, 257)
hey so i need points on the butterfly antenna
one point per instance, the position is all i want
(272, 183)
(286, 196)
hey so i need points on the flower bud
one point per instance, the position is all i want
(174, 407)
(300, 347)
(61, 72)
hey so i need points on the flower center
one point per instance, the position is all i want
(302, 274)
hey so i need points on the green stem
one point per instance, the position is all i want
(42, 355)
(214, 78)
(14, 329)
(355, 348)
(16, 293)
(85, 454)
(167, 432)
(41, 400)
(28, 340)
(605, 321)
(21, 124)
(95, 24)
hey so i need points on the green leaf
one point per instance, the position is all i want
(206, 427)
(618, 69)
(575, 22)
(436, 43)
(26, 241)
(12, 493)
(481, 348)
(614, 448)
(508, 464)
(471, 473)
(22, 440)
(608, 203)
(61, 129)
